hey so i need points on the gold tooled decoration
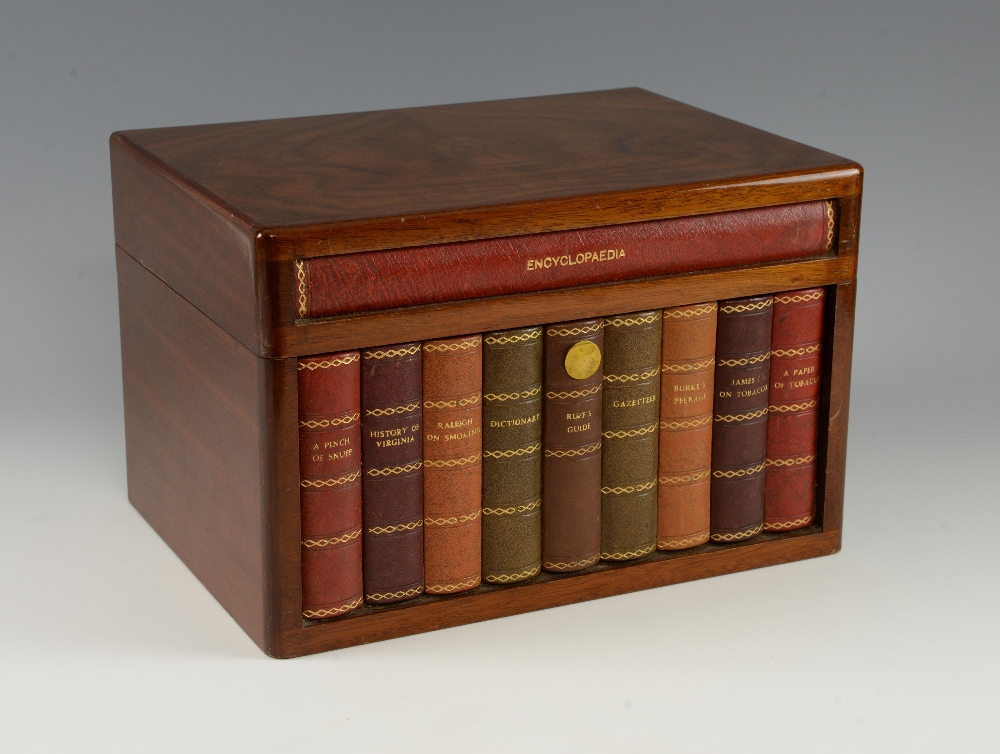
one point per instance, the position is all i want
(632, 377)
(513, 396)
(788, 462)
(331, 540)
(448, 588)
(408, 351)
(393, 410)
(396, 527)
(338, 362)
(513, 509)
(694, 476)
(789, 407)
(573, 453)
(781, 525)
(782, 353)
(502, 340)
(567, 332)
(686, 423)
(629, 321)
(507, 578)
(737, 536)
(389, 471)
(729, 418)
(331, 611)
(300, 275)
(830, 220)
(684, 313)
(320, 483)
(312, 424)
(573, 564)
(464, 345)
(738, 473)
(450, 463)
(623, 434)
(378, 597)
(677, 544)
(740, 308)
(451, 520)
(582, 360)
(798, 298)
(688, 367)
(459, 403)
(630, 555)
(574, 393)
(516, 453)
(628, 490)
(744, 361)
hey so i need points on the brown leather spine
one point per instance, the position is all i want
(453, 463)
(389, 278)
(790, 469)
(330, 481)
(739, 431)
(512, 455)
(687, 376)
(571, 466)
(630, 414)
(392, 465)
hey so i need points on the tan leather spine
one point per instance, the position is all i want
(687, 372)
(631, 407)
(512, 455)
(571, 464)
(453, 447)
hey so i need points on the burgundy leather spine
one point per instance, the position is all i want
(392, 462)
(739, 427)
(796, 356)
(371, 280)
(571, 460)
(330, 482)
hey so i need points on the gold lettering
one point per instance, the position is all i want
(571, 260)
(394, 442)
(687, 399)
(515, 422)
(690, 388)
(342, 454)
(643, 401)
(579, 428)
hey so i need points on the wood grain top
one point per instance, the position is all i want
(397, 163)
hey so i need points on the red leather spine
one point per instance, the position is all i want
(453, 464)
(330, 481)
(392, 465)
(371, 280)
(790, 469)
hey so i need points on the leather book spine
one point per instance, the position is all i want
(630, 413)
(687, 378)
(388, 278)
(330, 483)
(792, 426)
(392, 466)
(453, 463)
(571, 461)
(739, 427)
(512, 455)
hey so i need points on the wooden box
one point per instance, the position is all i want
(210, 220)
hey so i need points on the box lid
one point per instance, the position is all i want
(220, 211)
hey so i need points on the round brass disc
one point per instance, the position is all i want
(583, 359)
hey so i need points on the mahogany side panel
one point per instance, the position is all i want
(197, 443)
(201, 248)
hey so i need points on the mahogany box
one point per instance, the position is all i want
(212, 223)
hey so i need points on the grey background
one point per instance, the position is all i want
(107, 643)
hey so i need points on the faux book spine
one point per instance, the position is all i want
(512, 455)
(453, 455)
(392, 466)
(790, 469)
(739, 431)
(372, 280)
(687, 376)
(571, 470)
(630, 413)
(330, 480)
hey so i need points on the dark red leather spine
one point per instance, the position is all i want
(790, 469)
(330, 480)
(371, 280)
(392, 465)
(571, 463)
(739, 427)
(453, 464)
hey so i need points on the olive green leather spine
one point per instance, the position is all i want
(630, 435)
(512, 455)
